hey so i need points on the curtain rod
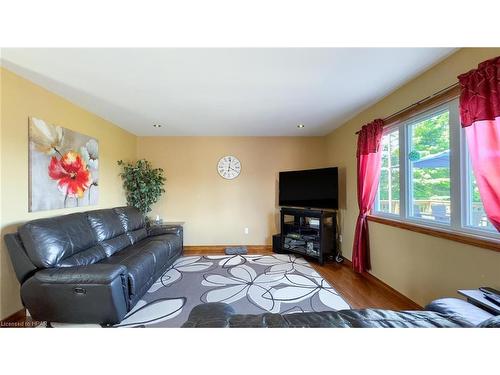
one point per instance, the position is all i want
(419, 102)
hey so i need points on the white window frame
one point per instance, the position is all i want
(460, 173)
(389, 130)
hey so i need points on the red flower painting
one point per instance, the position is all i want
(71, 173)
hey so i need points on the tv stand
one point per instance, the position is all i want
(309, 232)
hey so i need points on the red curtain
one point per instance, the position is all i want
(480, 116)
(369, 157)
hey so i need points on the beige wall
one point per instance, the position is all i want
(419, 266)
(216, 210)
(19, 100)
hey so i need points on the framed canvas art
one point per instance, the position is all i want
(64, 167)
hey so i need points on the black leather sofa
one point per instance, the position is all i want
(441, 313)
(90, 267)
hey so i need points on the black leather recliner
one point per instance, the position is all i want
(90, 267)
(441, 313)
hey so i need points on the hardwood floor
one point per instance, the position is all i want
(359, 290)
(363, 290)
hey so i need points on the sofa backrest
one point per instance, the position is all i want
(133, 223)
(81, 238)
(109, 230)
(49, 241)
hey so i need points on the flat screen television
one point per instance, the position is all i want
(312, 188)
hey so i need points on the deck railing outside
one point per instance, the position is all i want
(439, 210)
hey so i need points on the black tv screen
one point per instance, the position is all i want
(312, 188)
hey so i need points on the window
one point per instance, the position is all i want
(426, 175)
(429, 167)
(388, 193)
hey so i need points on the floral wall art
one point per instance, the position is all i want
(64, 167)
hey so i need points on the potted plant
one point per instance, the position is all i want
(143, 184)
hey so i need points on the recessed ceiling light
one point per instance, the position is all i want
(300, 126)
(156, 126)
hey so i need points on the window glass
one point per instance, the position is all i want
(476, 215)
(429, 168)
(388, 193)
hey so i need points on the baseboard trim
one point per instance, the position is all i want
(219, 249)
(381, 284)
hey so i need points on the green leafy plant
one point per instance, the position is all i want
(143, 184)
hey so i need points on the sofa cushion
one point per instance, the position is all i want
(84, 258)
(108, 230)
(144, 261)
(172, 242)
(140, 267)
(131, 218)
(137, 235)
(160, 250)
(133, 223)
(50, 241)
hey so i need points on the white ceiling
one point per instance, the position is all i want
(248, 92)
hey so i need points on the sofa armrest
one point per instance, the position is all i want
(23, 266)
(209, 315)
(91, 274)
(97, 293)
(455, 308)
(157, 230)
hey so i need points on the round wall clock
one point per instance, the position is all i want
(229, 167)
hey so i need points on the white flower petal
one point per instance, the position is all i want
(226, 294)
(171, 276)
(306, 270)
(93, 148)
(285, 257)
(281, 268)
(301, 261)
(232, 260)
(157, 285)
(93, 164)
(185, 261)
(263, 298)
(267, 260)
(154, 312)
(332, 300)
(46, 137)
(85, 154)
(195, 267)
(300, 281)
(244, 273)
(270, 279)
(293, 294)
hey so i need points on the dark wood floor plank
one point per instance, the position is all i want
(363, 291)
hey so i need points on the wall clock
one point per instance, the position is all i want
(229, 167)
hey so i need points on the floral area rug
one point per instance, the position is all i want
(252, 284)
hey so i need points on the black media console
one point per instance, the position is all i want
(308, 232)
